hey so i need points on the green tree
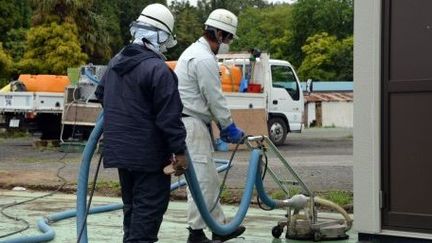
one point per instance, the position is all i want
(15, 14)
(5, 66)
(310, 17)
(93, 27)
(188, 27)
(60, 11)
(52, 49)
(109, 24)
(343, 57)
(236, 7)
(257, 28)
(14, 43)
(327, 58)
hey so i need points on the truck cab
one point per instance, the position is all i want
(285, 101)
(273, 85)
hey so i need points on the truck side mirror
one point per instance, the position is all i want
(309, 85)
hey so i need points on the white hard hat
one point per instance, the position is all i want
(158, 16)
(224, 20)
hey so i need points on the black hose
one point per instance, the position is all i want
(262, 178)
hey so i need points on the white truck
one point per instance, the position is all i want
(33, 110)
(279, 97)
(279, 93)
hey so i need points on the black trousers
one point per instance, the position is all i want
(145, 197)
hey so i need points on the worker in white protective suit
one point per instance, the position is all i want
(201, 94)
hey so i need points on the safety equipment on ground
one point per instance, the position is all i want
(177, 166)
(231, 134)
(239, 231)
(224, 20)
(160, 17)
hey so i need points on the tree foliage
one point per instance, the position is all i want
(93, 29)
(190, 21)
(287, 31)
(310, 17)
(188, 27)
(14, 43)
(5, 66)
(257, 28)
(52, 49)
(15, 14)
(327, 58)
(206, 6)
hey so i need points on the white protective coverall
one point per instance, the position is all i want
(201, 94)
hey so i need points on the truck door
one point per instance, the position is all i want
(286, 98)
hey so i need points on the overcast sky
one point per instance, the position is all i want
(193, 2)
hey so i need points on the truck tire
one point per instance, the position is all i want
(277, 130)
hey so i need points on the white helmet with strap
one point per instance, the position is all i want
(224, 20)
(159, 16)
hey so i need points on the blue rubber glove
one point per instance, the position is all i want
(231, 134)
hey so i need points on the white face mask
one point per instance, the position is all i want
(223, 48)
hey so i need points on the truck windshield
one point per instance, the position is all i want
(284, 77)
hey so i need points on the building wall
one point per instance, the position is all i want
(337, 114)
(310, 113)
(366, 132)
(333, 114)
(367, 123)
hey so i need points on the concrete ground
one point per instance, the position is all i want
(106, 227)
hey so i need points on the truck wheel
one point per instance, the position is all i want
(277, 130)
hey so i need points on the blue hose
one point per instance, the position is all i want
(253, 178)
(48, 233)
(84, 174)
(216, 227)
(90, 76)
(261, 192)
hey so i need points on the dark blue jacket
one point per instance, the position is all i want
(142, 109)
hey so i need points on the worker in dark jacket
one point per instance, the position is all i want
(143, 130)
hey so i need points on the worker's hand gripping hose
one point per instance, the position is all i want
(178, 165)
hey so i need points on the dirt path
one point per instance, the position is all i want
(322, 158)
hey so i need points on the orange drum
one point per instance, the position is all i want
(171, 64)
(230, 77)
(44, 83)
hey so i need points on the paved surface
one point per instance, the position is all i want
(322, 157)
(106, 227)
